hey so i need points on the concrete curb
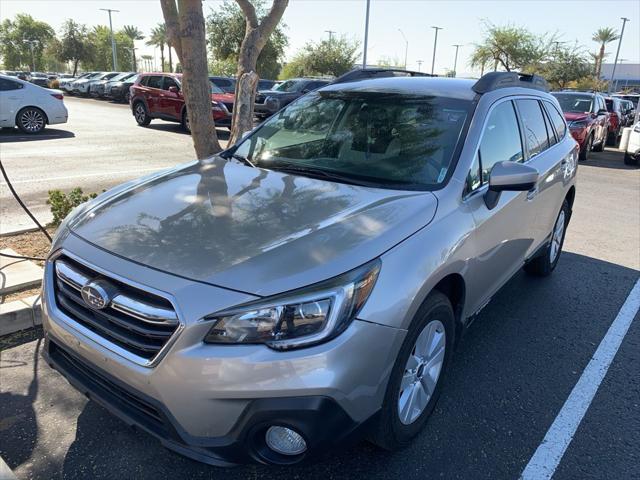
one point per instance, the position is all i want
(20, 315)
(17, 231)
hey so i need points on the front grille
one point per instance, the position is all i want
(135, 320)
(93, 382)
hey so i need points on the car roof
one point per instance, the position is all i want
(437, 86)
(573, 92)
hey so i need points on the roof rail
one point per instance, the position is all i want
(366, 73)
(494, 80)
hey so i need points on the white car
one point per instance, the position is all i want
(28, 106)
(632, 155)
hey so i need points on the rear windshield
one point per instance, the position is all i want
(575, 103)
(383, 140)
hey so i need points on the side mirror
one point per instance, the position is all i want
(174, 89)
(603, 111)
(509, 176)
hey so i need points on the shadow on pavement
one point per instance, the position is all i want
(15, 135)
(223, 133)
(511, 374)
(608, 159)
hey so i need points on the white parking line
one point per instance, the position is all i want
(84, 175)
(546, 458)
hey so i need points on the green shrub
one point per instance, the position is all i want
(54, 83)
(62, 203)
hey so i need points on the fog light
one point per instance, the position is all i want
(285, 441)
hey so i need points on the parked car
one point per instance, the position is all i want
(309, 284)
(628, 112)
(226, 84)
(264, 84)
(118, 87)
(71, 87)
(29, 106)
(632, 154)
(86, 87)
(588, 119)
(159, 95)
(40, 79)
(97, 88)
(616, 119)
(26, 76)
(269, 102)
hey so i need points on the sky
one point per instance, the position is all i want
(461, 22)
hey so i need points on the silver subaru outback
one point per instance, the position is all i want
(307, 286)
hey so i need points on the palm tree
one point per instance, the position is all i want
(158, 38)
(147, 61)
(134, 34)
(603, 36)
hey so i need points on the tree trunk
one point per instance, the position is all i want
(75, 67)
(185, 27)
(135, 63)
(255, 38)
(170, 59)
(599, 62)
(162, 56)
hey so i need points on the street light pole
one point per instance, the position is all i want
(419, 62)
(613, 73)
(366, 36)
(113, 42)
(330, 32)
(33, 61)
(406, 48)
(455, 61)
(435, 44)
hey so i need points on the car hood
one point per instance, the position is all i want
(277, 93)
(575, 116)
(223, 97)
(250, 229)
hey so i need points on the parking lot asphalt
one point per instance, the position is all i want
(100, 146)
(512, 373)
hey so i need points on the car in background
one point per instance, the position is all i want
(97, 88)
(226, 84)
(588, 119)
(85, 77)
(85, 88)
(26, 76)
(633, 97)
(264, 84)
(632, 154)
(269, 102)
(616, 119)
(29, 106)
(117, 88)
(40, 79)
(9, 73)
(628, 112)
(159, 95)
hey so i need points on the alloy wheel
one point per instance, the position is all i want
(421, 372)
(556, 238)
(32, 120)
(140, 113)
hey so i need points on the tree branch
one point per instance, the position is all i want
(249, 12)
(170, 13)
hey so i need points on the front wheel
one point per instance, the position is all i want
(141, 115)
(586, 151)
(629, 160)
(185, 122)
(546, 262)
(31, 120)
(416, 379)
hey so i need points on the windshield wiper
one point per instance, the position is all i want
(244, 160)
(314, 172)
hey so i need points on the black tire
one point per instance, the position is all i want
(612, 139)
(389, 432)
(629, 160)
(141, 114)
(600, 146)
(185, 122)
(586, 151)
(31, 120)
(545, 263)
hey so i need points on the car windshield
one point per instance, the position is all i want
(574, 103)
(289, 86)
(368, 138)
(122, 76)
(215, 88)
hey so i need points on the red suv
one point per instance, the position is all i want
(588, 119)
(158, 95)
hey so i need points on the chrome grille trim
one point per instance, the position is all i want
(53, 283)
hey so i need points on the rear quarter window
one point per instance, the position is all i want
(557, 120)
(534, 129)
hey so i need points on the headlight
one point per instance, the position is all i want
(298, 319)
(272, 102)
(579, 124)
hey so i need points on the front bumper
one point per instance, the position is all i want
(580, 136)
(213, 403)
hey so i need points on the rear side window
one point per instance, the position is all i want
(551, 136)
(154, 81)
(535, 131)
(556, 119)
(500, 139)
(7, 85)
(169, 82)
